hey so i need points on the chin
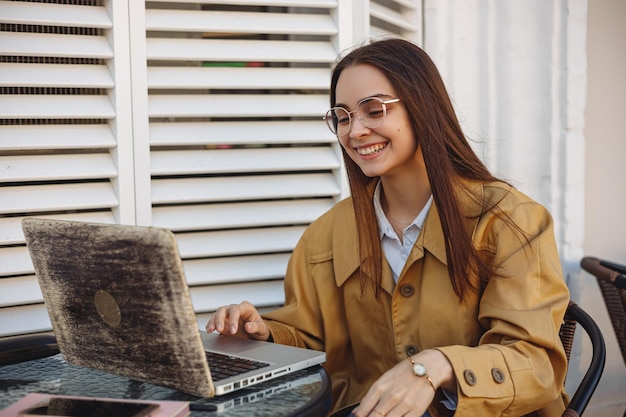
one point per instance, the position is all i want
(372, 173)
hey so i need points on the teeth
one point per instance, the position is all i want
(372, 149)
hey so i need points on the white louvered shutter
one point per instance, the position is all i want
(240, 158)
(62, 149)
(203, 117)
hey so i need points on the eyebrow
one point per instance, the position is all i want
(381, 95)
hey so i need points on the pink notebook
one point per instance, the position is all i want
(35, 404)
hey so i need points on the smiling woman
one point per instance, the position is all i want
(435, 289)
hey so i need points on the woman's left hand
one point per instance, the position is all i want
(400, 392)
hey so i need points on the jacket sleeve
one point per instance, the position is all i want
(298, 322)
(519, 364)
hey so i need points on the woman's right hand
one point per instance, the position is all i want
(239, 319)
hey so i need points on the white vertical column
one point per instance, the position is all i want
(360, 17)
(140, 112)
(572, 168)
(352, 20)
(120, 97)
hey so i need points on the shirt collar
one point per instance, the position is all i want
(384, 227)
(345, 242)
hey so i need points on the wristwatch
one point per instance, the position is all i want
(420, 371)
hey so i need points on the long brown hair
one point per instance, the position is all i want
(447, 155)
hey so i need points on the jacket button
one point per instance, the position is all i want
(411, 350)
(470, 378)
(497, 375)
(407, 290)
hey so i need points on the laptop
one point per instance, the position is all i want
(119, 302)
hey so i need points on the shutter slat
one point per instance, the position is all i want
(409, 4)
(236, 133)
(57, 197)
(56, 167)
(20, 290)
(11, 227)
(235, 269)
(239, 105)
(239, 22)
(237, 215)
(15, 260)
(55, 106)
(378, 32)
(238, 242)
(327, 4)
(240, 78)
(31, 318)
(258, 293)
(51, 75)
(24, 13)
(193, 190)
(239, 50)
(40, 137)
(285, 3)
(46, 44)
(243, 160)
(390, 16)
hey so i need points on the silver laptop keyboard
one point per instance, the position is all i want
(224, 366)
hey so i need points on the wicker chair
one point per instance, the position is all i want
(611, 278)
(573, 316)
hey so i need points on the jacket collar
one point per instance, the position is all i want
(431, 239)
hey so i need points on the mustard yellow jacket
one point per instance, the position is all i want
(503, 342)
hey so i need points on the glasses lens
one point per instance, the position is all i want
(338, 120)
(371, 112)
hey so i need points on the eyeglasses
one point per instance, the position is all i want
(371, 112)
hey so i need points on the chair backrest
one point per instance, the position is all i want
(573, 316)
(611, 278)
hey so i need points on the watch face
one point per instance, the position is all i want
(419, 369)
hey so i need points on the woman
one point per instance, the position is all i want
(446, 295)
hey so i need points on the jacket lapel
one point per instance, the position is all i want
(431, 238)
(345, 249)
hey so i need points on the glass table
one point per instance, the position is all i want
(304, 393)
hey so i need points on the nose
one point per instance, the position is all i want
(358, 129)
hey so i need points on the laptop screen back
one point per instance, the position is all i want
(118, 301)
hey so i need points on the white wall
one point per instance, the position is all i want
(605, 179)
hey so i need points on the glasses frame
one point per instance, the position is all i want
(382, 101)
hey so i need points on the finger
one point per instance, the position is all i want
(364, 409)
(251, 327)
(377, 411)
(257, 328)
(219, 319)
(210, 326)
(232, 318)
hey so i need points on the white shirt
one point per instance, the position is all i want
(397, 251)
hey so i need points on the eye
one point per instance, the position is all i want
(372, 109)
(342, 117)
(375, 112)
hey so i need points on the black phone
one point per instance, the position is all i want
(91, 407)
